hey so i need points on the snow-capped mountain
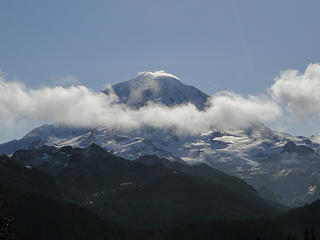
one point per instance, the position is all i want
(273, 162)
(158, 87)
(282, 167)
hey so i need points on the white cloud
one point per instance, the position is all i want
(299, 92)
(296, 94)
(80, 106)
(230, 109)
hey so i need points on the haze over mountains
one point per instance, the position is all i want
(156, 114)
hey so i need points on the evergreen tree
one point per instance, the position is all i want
(306, 234)
(313, 237)
(291, 237)
(5, 232)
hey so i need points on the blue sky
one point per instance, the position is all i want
(230, 45)
(214, 45)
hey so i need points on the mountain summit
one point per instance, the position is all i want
(158, 87)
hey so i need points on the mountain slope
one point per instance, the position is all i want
(301, 219)
(285, 168)
(37, 216)
(135, 194)
(40, 209)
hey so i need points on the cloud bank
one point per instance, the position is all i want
(80, 106)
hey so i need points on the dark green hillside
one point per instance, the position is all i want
(38, 217)
(171, 199)
(149, 192)
(257, 229)
(74, 193)
(303, 219)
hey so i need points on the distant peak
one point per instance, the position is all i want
(157, 74)
(158, 87)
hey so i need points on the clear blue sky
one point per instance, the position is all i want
(213, 45)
